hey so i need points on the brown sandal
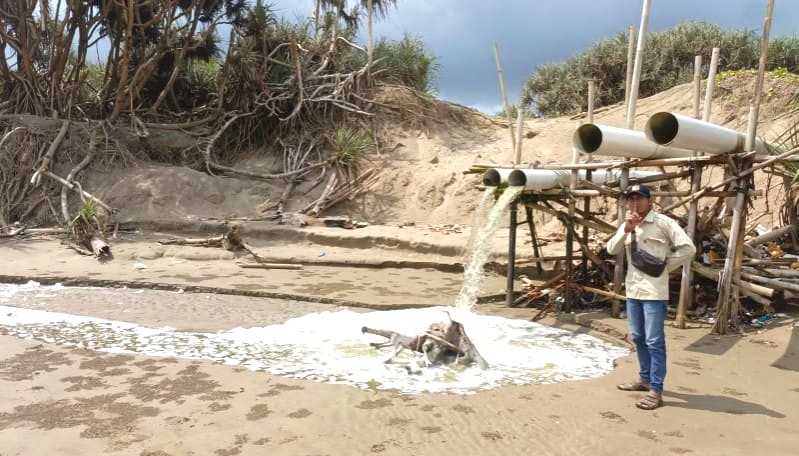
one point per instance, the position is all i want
(633, 386)
(649, 402)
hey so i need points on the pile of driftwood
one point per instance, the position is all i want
(442, 342)
(768, 280)
(232, 240)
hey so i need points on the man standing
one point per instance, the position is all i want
(659, 239)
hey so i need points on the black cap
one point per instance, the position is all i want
(642, 190)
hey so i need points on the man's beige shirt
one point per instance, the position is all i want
(661, 236)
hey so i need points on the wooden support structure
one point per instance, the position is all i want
(746, 270)
(534, 238)
(511, 253)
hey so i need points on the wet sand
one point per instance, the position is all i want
(724, 395)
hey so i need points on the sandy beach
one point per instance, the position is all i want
(724, 395)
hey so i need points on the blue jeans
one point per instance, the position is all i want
(646, 319)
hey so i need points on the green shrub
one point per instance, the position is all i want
(405, 62)
(561, 88)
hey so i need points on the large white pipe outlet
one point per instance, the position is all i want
(495, 177)
(677, 130)
(621, 142)
(544, 179)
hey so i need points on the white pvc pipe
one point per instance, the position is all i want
(546, 179)
(495, 177)
(677, 130)
(621, 142)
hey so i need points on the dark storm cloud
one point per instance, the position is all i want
(529, 33)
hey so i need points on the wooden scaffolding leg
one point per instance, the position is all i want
(686, 285)
(587, 212)
(568, 291)
(511, 253)
(727, 305)
(536, 250)
(618, 272)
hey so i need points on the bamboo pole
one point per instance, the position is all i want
(711, 84)
(542, 259)
(630, 63)
(517, 153)
(583, 216)
(686, 289)
(511, 253)
(593, 256)
(639, 60)
(773, 283)
(601, 227)
(755, 292)
(785, 273)
(568, 292)
(482, 167)
(650, 179)
(728, 306)
(772, 235)
(618, 273)
(504, 97)
(743, 173)
(557, 278)
(672, 161)
(598, 291)
(697, 85)
(536, 250)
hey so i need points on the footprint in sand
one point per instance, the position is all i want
(733, 392)
(492, 436)
(463, 409)
(380, 403)
(301, 413)
(613, 416)
(258, 412)
(649, 435)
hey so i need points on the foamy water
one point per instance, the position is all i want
(329, 347)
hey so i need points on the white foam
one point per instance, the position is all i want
(329, 346)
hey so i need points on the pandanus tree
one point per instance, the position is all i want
(350, 16)
(146, 43)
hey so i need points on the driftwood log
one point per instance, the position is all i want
(232, 240)
(100, 248)
(269, 266)
(442, 342)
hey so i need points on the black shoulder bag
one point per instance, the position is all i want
(644, 261)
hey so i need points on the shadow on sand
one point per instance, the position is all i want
(790, 359)
(714, 344)
(716, 403)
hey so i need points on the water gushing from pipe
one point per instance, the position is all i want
(477, 222)
(473, 270)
